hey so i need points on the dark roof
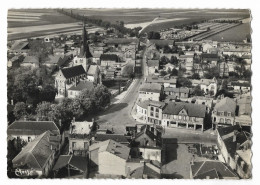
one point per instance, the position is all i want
(226, 105)
(193, 110)
(36, 153)
(144, 104)
(145, 130)
(32, 127)
(209, 56)
(161, 42)
(116, 137)
(202, 168)
(245, 84)
(82, 85)
(74, 71)
(109, 57)
(227, 133)
(78, 162)
(19, 45)
(212, 174)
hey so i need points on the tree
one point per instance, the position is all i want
(209, 73)
(184, 82)
(163, 73)
(174, 60)
(169, 71)
(174, 72)
(128, 71)
(197, 91)
(43, 111)
(39, 49)
(195, 76)
(247, 74)
(164, 60)
(20, 110)
(48, 93)
(154, 35)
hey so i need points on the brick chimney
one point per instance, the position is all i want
(235, 136)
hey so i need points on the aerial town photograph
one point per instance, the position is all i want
(129, 93)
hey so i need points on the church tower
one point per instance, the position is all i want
(84, 55)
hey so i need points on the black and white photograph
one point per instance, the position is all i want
(129, 93)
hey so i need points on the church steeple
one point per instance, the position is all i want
(84, 50)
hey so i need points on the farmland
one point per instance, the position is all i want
(236, 34)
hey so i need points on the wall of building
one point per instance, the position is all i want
(111, 164)
(151, 154)
(149, 96)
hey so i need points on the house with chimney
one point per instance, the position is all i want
(109, 61)
(184, 115)
(147, 144)
(235, 147)
(76, 90)
(29, 130)
(37, 158)
(68, 77)
(110, 159)
(80, 137)
(224, 113)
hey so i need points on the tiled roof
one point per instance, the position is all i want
(161, 42)
(227, 105)
(211, 174)
(32, 127)
(116, 137)
(151, 87)
(31, 59)
(109, 57)
(19, 45)
(153, 63)
(199, 169)
(112, 147)
(193, 110)
(36, 153)
(177, 90)
(54, 59)
(78, 162)
(146, 130)
(144, 104)
(209, 56)
(74, 71)
(92, 70)
(156, 79)
(82, 85)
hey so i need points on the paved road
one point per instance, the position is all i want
(118, 115)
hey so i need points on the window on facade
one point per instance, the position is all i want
(86, 145)
(229, 114)
(184, 117)
(157, 115)
(29, 139)
(157, 110)
(179, 117)
(74, 145)
(174, 116)
(151, 113)
(152, 109)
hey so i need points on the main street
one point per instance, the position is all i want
(118, 115)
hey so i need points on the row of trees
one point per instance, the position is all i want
(119, 25)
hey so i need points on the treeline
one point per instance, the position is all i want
(99, 22)
(88, 103)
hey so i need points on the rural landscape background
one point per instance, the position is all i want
(37, 22)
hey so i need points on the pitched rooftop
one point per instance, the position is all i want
(226, 105)
(193, 110)
(36, 153)
(74, 71)
(151, 87)
(82, 85)
(32, 127)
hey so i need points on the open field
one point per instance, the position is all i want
(235, 34)
(34, 17)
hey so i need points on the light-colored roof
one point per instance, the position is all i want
(226, 105)
(151, 87)
(112, 147)
(155, 79)
(92, 70)
(31, 59)
(177, 90)
(83, 127)
(245, 155)
(153, 63)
